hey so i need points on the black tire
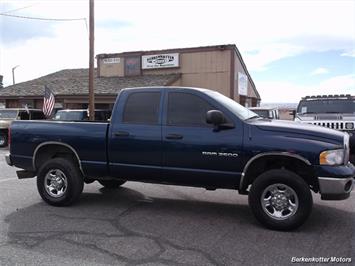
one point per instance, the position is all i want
(3, 140)
(291, 190)
(112, 184)
(65, 170)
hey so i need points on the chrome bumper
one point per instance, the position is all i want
(335, 188)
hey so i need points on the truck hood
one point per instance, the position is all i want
(303, 130)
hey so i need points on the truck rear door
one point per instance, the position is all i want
(135, 140)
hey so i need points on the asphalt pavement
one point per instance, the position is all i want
(147, 224)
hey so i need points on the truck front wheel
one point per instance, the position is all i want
(59, 182)
(280, 199)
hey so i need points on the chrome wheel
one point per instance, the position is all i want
(55, 183)
(279, 201)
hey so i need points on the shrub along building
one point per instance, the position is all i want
(219, 68)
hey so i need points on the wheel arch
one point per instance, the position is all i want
(276, 160)
(52, 149)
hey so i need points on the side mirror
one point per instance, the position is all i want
(215, 117)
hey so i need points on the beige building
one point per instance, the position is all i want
(219, 68)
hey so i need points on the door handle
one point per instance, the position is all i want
(121, 134)
(174, 136)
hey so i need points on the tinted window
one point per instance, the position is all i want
(142, 108)
(37, 116)
(24, 115)
(186, 109)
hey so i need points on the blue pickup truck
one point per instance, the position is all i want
(191, 137)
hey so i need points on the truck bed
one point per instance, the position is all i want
(89, 139)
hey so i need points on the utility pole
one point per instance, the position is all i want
(13, 74)
(91, 61)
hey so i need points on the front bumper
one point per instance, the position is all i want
(335, 182)
(335, 188)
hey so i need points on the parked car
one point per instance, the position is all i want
(8, 115)
(192, 137)
(270, 113)
(332, 111)
(81, 114)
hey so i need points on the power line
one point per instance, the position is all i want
(45, 19)
(17, 9)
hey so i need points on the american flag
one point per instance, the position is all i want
(48, 102)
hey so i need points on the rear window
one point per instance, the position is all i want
(262, 113)
(71, 115)
(142, 108)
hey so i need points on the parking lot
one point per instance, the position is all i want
(145, 224)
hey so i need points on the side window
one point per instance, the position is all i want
(24, 115)
(37, 115)
(185, 109)
(142, 108)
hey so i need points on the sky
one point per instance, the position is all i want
(291, 48)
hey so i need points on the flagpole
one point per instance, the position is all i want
(91, 61)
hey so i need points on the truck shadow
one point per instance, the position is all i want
(128, 227)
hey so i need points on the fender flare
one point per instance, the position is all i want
(55, 143)
(243, 181)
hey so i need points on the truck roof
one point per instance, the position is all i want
(168, 87)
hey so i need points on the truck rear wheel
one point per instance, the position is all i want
(112, 184)
(280, 199)
(59, 182)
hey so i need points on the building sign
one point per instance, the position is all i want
(132, 66)
(242, 84)
(160, 61)
(111, 60)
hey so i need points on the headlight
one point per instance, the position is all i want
(332, 157)
(349, 125)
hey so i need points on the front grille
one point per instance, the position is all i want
(337, 125)
(333, 125)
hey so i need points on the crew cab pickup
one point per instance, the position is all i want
(191, 137)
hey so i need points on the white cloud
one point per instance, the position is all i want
(290, 92)
(350, 53)
(319, 71)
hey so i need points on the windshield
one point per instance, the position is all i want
(8, 114)
(70, 116)
(237, 109)
(327, 106)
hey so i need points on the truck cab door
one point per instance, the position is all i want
(134, 146)
(195, 153)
